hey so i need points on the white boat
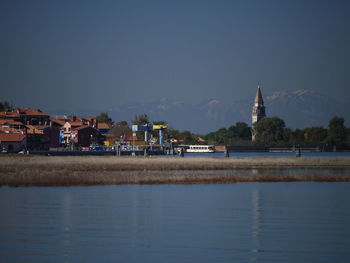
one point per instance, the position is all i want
(200, 148)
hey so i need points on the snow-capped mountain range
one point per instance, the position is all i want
(299, 109)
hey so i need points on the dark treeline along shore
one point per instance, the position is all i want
(18, 171)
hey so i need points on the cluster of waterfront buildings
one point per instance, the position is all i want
(30, 129)
(23, 130)
(34, 130)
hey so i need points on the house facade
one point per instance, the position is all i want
(42, 138)
(85, 136)
(12, 142)
(68, 128)
(103, 128)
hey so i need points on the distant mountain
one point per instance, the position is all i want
(299, 109)
(304, 108)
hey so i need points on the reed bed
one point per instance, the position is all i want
(110, 170)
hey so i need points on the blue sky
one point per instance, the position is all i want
(67, 54)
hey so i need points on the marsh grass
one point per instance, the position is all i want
(110, 170)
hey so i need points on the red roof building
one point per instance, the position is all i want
(57, 122)
(103, 126)
(42, 137)
(9, 115)
(27, 116)
(85, 136)
(12, 142)
(11, 137)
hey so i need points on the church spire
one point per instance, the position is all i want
(258, 98)
(258, 108)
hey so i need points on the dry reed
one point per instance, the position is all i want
(110, 170)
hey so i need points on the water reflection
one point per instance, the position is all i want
(282, 222)
(270, 154)
(265, 171)
(66, 226)
(256, 220)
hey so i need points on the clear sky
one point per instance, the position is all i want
(69, 54)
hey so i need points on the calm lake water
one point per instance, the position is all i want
(246, 222)
(270, 154)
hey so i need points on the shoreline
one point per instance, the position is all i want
(17, 171)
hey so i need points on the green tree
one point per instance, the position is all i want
(5, 106)
(173, 133)
(222, 136)
(270, 131)
(240, 130)
(315, 135)
(121, 129)
(297, 137)
(287, 134)
(104, 118)
(141, 119)
(210, 138)
(348, 136)
(187, 137)
(121, 123)
(336, 131)
(240, 133)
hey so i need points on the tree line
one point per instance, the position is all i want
(273, 132)
(270, 131)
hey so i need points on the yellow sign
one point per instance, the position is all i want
(159, 127)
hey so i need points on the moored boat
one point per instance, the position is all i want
(200, 149)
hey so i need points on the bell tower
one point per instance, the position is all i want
(258, 112)
(258, 108)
